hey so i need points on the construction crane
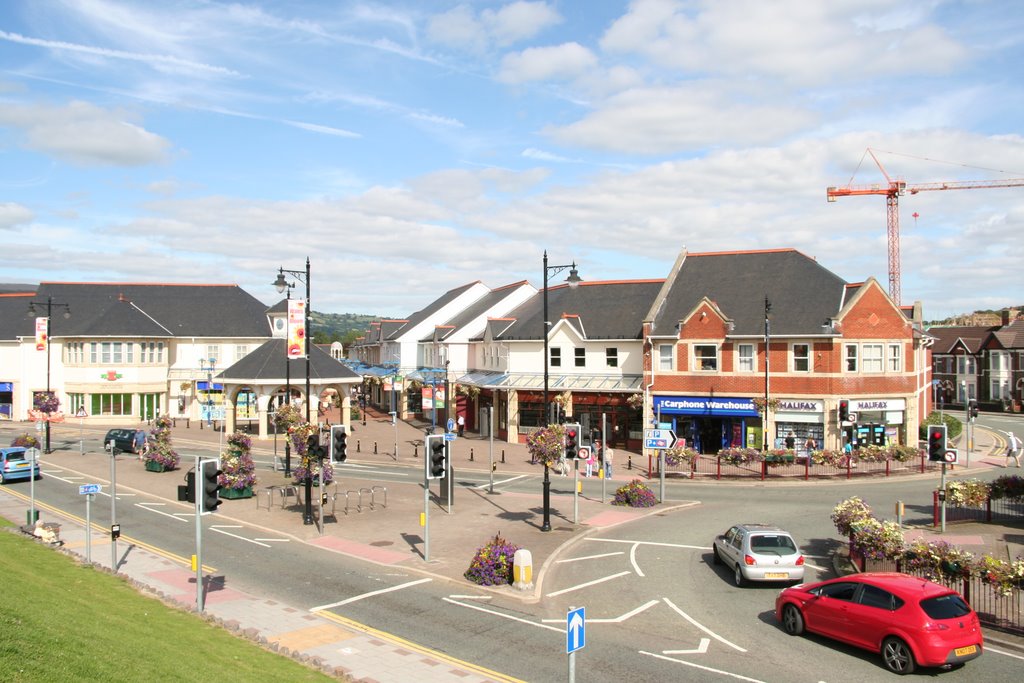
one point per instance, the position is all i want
(893, 190)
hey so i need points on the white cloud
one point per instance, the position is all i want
(562, 62)
(461, 28)
(12, 214)
(458, 27)
(85, 134)
(672, 119)
(519, 21)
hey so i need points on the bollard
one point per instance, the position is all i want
(629, 462)
(359, 446)
(471, 455)
(502, 456)
(415, 450)
(375, 448)
(522, 569)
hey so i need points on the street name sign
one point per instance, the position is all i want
(659, 438)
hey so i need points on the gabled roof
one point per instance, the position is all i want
(947, 339)
(474, 311)
(436, 305)
(147, 310)
(802, 293)
(267, 363)
(1011, 336)
(605, 310)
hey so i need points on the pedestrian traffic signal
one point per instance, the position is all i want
(188, 491)
(844, 410)
(937, 442)
(972, 408)
(210, 485)
(314, 449)
(339, 445)
(436, 456)
(572, 440)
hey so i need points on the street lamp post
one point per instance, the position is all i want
(281, 284)
(767, 342)
(49, 311)
(207, 365)
(573, 280)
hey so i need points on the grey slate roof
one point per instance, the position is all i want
(122, 310)
(802, 292)
(268, 363)
(1011, 336)
(421, 315)
(971, 337)
(473, 311)
(603, 310)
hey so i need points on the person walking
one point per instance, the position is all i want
(607, 462)
(140, 442)
(461, 424)
(1012, 450)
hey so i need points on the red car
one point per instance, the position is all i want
(909, 620)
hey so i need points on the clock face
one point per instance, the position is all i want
(279, 323)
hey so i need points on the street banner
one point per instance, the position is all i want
(296, 346)
(42, 333)
(428, 394)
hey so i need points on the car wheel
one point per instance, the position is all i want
(792, 620)
(897, 657)
(741, 581)
(715, 557)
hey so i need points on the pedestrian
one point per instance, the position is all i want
(790, 440)
(140, 442)
(590, 464)
(1012, 450)
(810, 445)
(461, 422)
(607, 463)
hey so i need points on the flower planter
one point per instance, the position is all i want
(236, 493)
(154, 466)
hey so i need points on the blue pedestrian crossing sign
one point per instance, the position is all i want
(575, 630)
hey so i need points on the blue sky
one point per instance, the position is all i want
(411, 147)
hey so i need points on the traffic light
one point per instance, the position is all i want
(937, 442)
(188, 491)
(339, 445)
(436, 456)
(844, 410)
(314, 449)
(211, 485)
(572, 440)
(972, 408)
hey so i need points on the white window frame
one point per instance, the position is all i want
(698, 360)
(872, 358)
(851, 358)
(894, 357)
(806, 358)
(666, 356)
(746, 362)
(580, 358)
(611, 356)
(555, 354)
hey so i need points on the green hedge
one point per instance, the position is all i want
(953, 425)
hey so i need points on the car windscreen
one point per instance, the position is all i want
(772, 544)
(15, 455)
(949, 606)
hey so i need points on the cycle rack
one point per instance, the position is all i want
(371, 491)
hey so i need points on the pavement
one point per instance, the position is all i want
(382, 526)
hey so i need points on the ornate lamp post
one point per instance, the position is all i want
(281, 284)
(767, 343)
(573, 280)
(50, 303)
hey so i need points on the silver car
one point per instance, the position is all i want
(759, 552)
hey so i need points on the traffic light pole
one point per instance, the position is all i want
(200, 602)
(942, 500)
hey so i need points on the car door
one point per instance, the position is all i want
(869, 616)
(725, 546)
(827, 612)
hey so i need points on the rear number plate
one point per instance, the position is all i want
(776, 575)
(961, 651)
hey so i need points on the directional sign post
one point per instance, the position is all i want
(575, 636)
(88, 490)
(659, 439)
(81, 415)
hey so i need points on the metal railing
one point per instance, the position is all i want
(798, 467)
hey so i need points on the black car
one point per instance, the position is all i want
(124, 440)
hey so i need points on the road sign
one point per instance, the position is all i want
(451, 425)
(950, 457)
(449, 436)
(85, 489)
(575, 630)
(583, 454)
(659, 438)
(81, 412)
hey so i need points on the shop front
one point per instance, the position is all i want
(879, 422)
(799, 420)
(709, 424)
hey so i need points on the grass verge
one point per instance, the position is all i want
(64, 621)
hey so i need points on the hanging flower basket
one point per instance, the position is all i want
(234, 494)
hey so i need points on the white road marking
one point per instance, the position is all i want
(589, 557)
(693, 621)
(149, 508)
(588, 583)
(632, 560)
(354, 598)
(666, 545)
(615, 620)
(472, 597)
(505, 616)
(989, 648)
(701, 649)
(500, 483)
(240, 538)
(698, 666)
(273, 540)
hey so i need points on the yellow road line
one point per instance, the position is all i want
(345, 621)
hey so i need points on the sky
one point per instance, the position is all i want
(411, 147)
